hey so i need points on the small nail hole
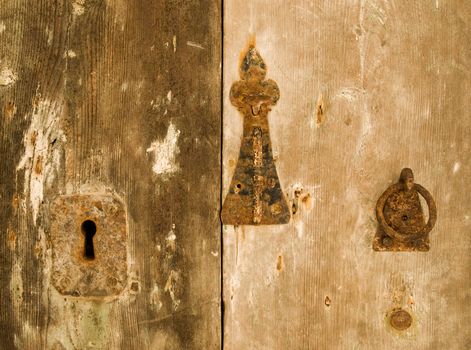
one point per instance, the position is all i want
(294, 208)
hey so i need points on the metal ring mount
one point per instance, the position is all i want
(402, 186)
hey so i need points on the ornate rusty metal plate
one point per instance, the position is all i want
(88, 234)
(401, 220)
(255, 196)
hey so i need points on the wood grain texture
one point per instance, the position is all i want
(366, 89)
(117, 97)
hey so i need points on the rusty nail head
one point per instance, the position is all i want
(400, 320)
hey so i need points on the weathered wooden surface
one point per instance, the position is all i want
(366, 89)
(119, 97)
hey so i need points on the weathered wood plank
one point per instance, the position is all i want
(366, 88)
(117, 97)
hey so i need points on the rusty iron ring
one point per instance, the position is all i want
(432, 216)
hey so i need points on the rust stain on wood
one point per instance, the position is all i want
(279, 263)
(39, 165)
(255, 196)
(320, 110)
(9, 110)
(11, 237)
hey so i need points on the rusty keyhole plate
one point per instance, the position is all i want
(74, 272)
(402, 226)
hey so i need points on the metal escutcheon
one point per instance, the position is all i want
(400, 216)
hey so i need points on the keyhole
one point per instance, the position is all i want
(89, 230)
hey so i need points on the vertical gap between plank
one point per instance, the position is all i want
(221, 239)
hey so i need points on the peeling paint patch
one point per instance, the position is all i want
(456, 167)
(9, 110)
(196, 45)
(174, 284)
(171, 286)
(11, 238)
(164, 152)
(7, 76)
(41, 160)
(2, 27)
(49, 35)
(351, 94)
(174, 42)
(78, 7)
(160, 103)
(170, 240)
(16, 287)
(155, 301)
(70, 54)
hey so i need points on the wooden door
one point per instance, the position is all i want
(115, 99)
(112, 117)
(366, 88)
